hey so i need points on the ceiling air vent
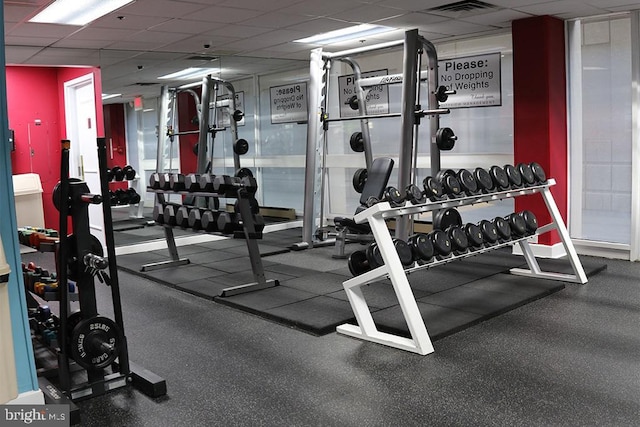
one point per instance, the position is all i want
(465, 7)
(202, 58)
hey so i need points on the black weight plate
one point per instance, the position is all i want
(394, 197)
(530, 220)
(489, 232)
(499, 177)
(374, 256)
(95, 342)
(404, 252)
(421, 246)
(538, 172)
(357, 142)
(358, 263)
(474, 235)
(253, 205)
(451, 185)
(442, 173)
(241, 147)
(432, 188)
(441, 242)
(242, 173)
(445, 218)
(414, 194)
(371, 200)
(359, 179)
(467, 181)
(517, 225)
(528, 177)
(483, 179)
(503, 228)
(95, 247)
(458, 238)
(56, 195)
(515, 179)
(445, 139)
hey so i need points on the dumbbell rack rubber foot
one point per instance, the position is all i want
(420, 342)
(250, 235)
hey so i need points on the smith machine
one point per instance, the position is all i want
(411, 114)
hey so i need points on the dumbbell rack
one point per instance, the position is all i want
(249, 233)
(420, 342)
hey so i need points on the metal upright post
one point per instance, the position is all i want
(362, 111)
(204, 124)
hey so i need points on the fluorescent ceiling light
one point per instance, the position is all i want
(77, 12)
(349, 33)
(190, 73)
(109, 96)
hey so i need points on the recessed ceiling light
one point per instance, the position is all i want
(76, 12)
(190, 73)
(345, 34)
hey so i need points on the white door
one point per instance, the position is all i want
(80, 116)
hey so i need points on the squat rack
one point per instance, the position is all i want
(411, 113)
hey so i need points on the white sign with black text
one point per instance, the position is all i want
(289, 103)
(376, 97)
(476, 80)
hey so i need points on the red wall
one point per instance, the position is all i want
(114, 129)
(37, 93)
(187, 111)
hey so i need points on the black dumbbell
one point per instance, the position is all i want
(210, 220)
(458, 239)
(176, 182)
(404, 252)
(129, 172)
(192, 182)
(374, 256)
(359, 179)
(414, 194)
(258, 223)
(254, 206)
(228, 222)
(206, 182)
(241, 146)
(164, 182)
(134, 197)
(468, 183)
(517, 225)
(182, 216)
(229, 185)
(528, 178)
(393, 196)
(109, 174)
(118, 173)
(530, 220)
(122, 196)
(489, 232)
(195, 218)
(514, 176)
(474, 234)
(169, 214)
(158, 214)
(450, 183)
(432, 189)
(538, 172)
(484, 180)
(503, 228)
(421, 247)
(154, 181)
(113, 200)
(441, 243)
(358, 263)
(499, 177)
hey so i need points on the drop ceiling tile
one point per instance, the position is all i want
(74, 43)
(414, 5)
(367, 14)
(18, 13)
(454, 28)
(90, 33)
(26, 41)
(608, 4)
(566, 8)
(19, 54)
(322, 7)
(225, 15)
(159, 37)
(412, 20)
(130, 22)
(163, 8)
(319, 25)
(43, 30)
(266, 6)
(185, 26)
(237, 30)
(195, 44)
(276, 20)
(516, 3)
(289, 47)
(499, 17)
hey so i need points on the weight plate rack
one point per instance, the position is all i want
(420, 342)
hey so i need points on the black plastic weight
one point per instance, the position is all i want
(449, 182)
(393, 196)
(118, 173)
(489, 232)
(468, 182)
(530, 221)
(356, 142)
(358, 263)
(254, 206)
(441, 243)
(503, 228)
(528, 178)
(374, 256)
(414, 194)
(109, 175)
(359, 179)
(458, 238)
(122, 196)
(237, 115)
(421, 247)
(513, 175)
(244, 172)
(404, 252)
(517, 225)
(499, 177)
(432, 188)
(441, 94)
(241, 146)
(134, 197)
(474, 235)
(129, 172)
(484, 180)
(445, 139)
(538, 172)
(445, 218)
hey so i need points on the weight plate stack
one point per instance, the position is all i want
(414, 194)
(432, 189)
(499, 177)
(515, 179)
(404, 252)
(517, 225)
(445, 218)
(468, 182)
(358, 263)
(441, 243)
(422, 247)
(484, 180)
(359, 179)
(374, 256)
(528, 178)
(458, 238)
(503, 228)
(538, 172)
(474, 235)
(489, 232)
(530, 220)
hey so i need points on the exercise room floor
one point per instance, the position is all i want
(571, 358)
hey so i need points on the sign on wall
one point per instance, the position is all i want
(377, 97)
(289, 103)
(224, 113)
(476, 80)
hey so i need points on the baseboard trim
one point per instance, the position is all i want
(33, 397)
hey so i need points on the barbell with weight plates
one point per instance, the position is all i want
(445, 218)
(95, 342)
(421, 247)
(241, 146)
(442, 94)
(513, 175)
(445, 139)
(356, 141)
(359, 180)
(95, 247)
